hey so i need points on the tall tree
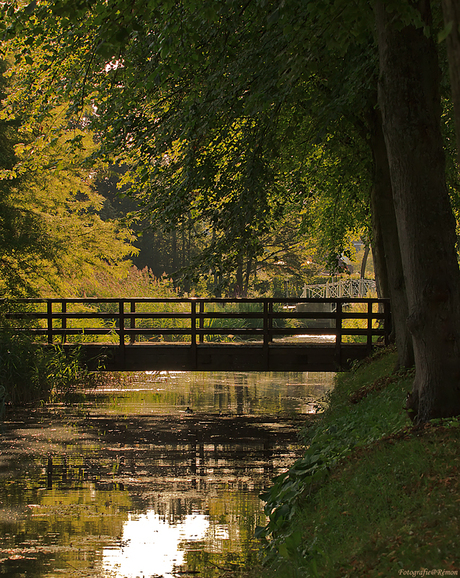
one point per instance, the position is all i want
(24, 240)
(52, 233)
(410, 103)
(387, 253)
(213, 112)
(451, 12)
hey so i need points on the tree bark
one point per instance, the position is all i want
(410, 104)
(385, 228)
(247, 277)
(362, 272)
(380, 267)
(451, 13)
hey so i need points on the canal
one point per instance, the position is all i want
(157, 474)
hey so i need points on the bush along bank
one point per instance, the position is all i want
(373, 495)
(30, 373)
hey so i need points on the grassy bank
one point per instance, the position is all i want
(373, 496)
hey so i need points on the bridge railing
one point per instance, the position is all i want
(342, 288)
(197, 321)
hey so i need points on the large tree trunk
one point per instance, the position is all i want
(380, 267)
(385, 228)
(451, 12)
(410, 104)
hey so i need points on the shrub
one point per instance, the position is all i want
(30, 372)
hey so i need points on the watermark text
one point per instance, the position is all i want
(426, 572)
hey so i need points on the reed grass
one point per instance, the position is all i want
(31, 373)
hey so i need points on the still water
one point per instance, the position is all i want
(155, 476)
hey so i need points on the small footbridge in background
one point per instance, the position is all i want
(351, 288)
(306, 334)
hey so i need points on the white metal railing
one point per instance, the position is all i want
(351, 288)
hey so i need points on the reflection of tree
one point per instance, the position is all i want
(239, 399)
(174, 465)
(59, 516)
(229, 543)
(269, 393)
(221, 395)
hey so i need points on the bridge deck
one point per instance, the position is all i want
(206, 334)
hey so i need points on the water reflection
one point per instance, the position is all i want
(223, 392)
(129, 484)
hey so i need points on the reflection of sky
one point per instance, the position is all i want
(151, 546)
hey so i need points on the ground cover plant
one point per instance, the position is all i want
(373, 495)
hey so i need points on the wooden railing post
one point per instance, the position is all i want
(267, 327)
(121, 322)
(49, 318)
(193, 318)
(64, 321)
(132, 325)
(267, 321)
(201, 322)
(338, 328)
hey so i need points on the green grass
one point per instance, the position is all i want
(391, 507)
(373, 496)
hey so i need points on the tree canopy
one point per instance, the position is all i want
(52, 231)
(220, 111)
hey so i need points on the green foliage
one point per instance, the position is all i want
(239, 125)
(23, 236)
(30, 373)
(234, 121)
(52, 233)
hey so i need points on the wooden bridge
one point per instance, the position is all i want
(205, 334)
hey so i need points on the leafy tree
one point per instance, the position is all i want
(54, 234)
(64, 196)
(410, 102)
(221, 140)
(23, 236)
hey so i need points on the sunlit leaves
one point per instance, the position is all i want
(62, 194)
(53, 230)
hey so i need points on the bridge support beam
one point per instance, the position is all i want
(313, 357)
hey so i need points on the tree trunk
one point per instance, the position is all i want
(451, 13)
(174, 255)
(410, 104)
(247, 277)
(239, 278)
(362, 273)
(385, 227)
(380, 268)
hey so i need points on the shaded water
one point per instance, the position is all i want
(129, 483)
